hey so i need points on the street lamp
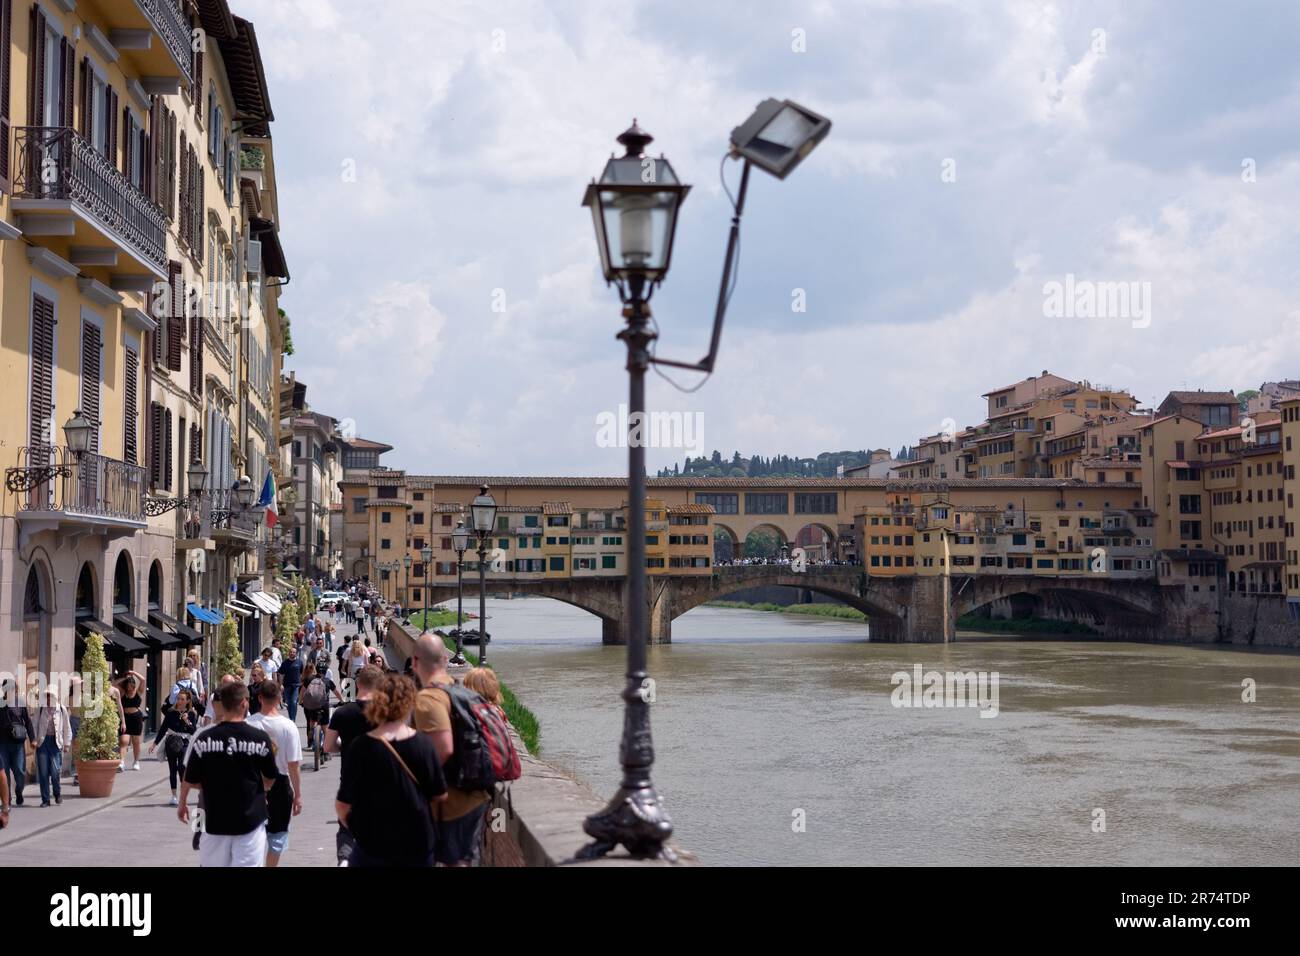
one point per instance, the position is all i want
(77, 431)
(483, 512)
(459, 543)
(426, 592)
(406, 590)
(634, 207)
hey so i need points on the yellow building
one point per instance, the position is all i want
(690, 539)
(124, 281)
(1290, 413)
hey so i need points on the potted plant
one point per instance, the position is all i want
(98, 755)
(288, 627)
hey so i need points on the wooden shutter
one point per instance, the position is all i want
(183, 164)
(67, 80)
(155, 443)
(131, 417)
(196, 443)
(196, 356)
(6, 45)
(91, 376)
(198, 83)
(128, 142)
(87, 106)
(167, 449)
(36, 73)
(176, 316)
(171, 159)
(41, 398)
(110, 121)
(200, 219)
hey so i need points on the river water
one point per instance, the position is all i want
(777, 742)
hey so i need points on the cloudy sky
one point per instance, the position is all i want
(980, 152)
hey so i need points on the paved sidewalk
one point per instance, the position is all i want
(136, 827)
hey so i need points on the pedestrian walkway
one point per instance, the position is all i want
(137, 827)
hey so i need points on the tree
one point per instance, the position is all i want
(230, 659)
(97, 738)
(287, 627)
(1243, 398)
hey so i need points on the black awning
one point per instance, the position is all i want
(273, 261)
(186, 635)
(151, 635)
(113, 637)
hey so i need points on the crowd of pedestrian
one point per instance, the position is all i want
(235, 754)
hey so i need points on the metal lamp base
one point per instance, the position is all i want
(635, 818)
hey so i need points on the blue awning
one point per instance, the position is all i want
(203, 615)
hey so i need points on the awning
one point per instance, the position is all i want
(266, 603)
(111, 636)
(147, 632)
(203, 615)
(188, 636)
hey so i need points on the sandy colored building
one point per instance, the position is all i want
(130, 295)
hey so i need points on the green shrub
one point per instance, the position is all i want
(230, 659)
(98, 736)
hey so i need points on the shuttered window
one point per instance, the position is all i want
(196, 444)
(176, 316)
(36, 69)
(41, 398)
(67, 80)
(155, 444)
(91, 376)
(171, 160)
(6, 46)
(183, 171)
(167, 449)
(196, 356)
(131, 413)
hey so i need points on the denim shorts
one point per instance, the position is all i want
(277, 842)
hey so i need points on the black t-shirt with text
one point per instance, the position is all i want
(390, 816)
(230, 761)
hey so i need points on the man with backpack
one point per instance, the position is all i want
(474, 747)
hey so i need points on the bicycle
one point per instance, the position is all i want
(319, 756)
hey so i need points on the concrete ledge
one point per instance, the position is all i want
(542, 811)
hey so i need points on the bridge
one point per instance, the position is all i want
(903, 608)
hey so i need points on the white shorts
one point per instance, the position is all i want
(249, 849)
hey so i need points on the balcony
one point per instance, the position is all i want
(231, 526)
(64, 188)
(132, 25)
(58, 490)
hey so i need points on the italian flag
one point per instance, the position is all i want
(267, 500)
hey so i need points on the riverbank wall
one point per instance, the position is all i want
(537, 820)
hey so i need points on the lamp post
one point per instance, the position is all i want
(483, 512)
(426, 592)
(460, 542)
(406, 589)
(634, 208)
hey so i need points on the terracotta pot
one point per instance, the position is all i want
(97, 777)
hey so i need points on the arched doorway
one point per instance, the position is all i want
(85, 606)
(38, 620)
(123, 586)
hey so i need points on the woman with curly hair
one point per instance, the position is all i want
(391, 777)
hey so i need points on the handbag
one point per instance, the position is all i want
(19, 731)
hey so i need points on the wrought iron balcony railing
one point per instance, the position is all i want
(167, 19)
(51, 480)
(55, 162)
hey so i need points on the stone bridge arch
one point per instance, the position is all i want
(1129, 608)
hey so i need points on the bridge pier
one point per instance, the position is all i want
(614, 632)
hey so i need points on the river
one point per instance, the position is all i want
(777, 742)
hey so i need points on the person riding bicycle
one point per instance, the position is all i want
(317, 684)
